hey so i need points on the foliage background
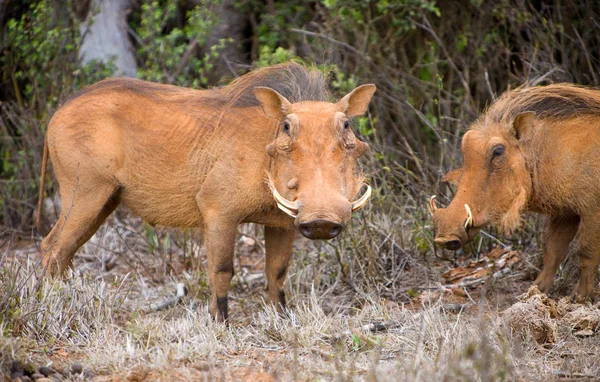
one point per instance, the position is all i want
(436, 64)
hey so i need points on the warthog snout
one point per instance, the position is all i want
(448, 243)
(324, 217)
(320, 229)
(454, 225)
(319, 213)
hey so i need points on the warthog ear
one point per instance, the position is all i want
(523, 124)
(273, 104)
(357, 101)
(453, 177)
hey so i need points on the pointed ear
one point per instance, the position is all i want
(523, 124)
(273, 104)
(453, 177)
(357, 101)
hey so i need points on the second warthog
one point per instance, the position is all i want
(211, 159)
(535, 149)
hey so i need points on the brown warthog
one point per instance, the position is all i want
(211, 159)
(535, 149)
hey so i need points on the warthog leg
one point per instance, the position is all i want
(219, 238)
(559, 232)
(86, 203)
(589, 256)
(279, 247)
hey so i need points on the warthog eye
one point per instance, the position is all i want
(498, 150)
(286, 127)
(346, 124)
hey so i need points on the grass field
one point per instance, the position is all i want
(348, 320)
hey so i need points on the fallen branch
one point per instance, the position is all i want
(373, 327)
(471, 282)
(566, 374)
(495, 264)
(181, 292)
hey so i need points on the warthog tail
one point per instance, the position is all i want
(38, 215)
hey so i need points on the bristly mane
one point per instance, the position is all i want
(558, 101)
(293, 81)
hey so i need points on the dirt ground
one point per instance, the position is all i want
(463, 320)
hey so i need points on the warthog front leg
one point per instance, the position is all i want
(589, 257)
(279, 245)
(560, 231)
(219, 239)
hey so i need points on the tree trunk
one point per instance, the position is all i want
(2, 6)
(105, 35)
(235, 25)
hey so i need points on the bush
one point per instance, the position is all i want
(169, 54)
(40, 61)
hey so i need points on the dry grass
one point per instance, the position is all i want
(99, 315)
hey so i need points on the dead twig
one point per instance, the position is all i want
(427, 27)
(184, 60)
(181, 292)
(373, 327)
(331, 40)
(566, 374)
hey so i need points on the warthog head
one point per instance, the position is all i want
(494, 185)
(313, 174)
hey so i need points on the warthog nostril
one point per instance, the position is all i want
(452, 245)
(320, 229)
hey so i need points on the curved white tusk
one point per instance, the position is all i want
(289, 207)
(469, 221)
(287, 211)
(432, 206)
(360, 203)
(283, 201)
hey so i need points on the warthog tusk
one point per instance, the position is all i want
(432, 206)
(360, 203)
(289, 207)
(469, 221)
(287, 211)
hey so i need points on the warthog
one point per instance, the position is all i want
(268, 149)
(535, 149)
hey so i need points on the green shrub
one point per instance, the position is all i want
(170, 55)
(39, 59)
